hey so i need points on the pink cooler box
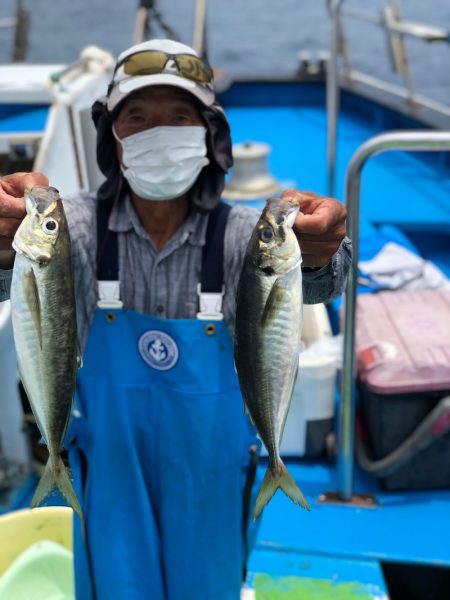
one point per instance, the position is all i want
(403, 351)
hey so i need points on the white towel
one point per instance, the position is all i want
(396, 267)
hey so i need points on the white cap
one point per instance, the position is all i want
(122, 84)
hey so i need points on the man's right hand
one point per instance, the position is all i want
(12, 210)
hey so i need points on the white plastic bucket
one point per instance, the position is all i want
(12, 441)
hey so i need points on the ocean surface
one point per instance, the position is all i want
(257, 37)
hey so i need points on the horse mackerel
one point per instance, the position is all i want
(268, 336)
(44, 328)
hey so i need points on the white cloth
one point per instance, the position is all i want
(396, 267)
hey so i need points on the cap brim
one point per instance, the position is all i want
(127, 86)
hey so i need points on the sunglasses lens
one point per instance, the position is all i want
(145, 63)
(193, 68)
(153, 62)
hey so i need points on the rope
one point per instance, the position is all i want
(152, 14)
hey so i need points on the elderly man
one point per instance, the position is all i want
(158, 442)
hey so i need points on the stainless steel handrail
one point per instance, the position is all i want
(199, 36)
(428, 33)
(333, 92)
(411, 141)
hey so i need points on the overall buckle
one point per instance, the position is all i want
(109, 295)
(210, 305)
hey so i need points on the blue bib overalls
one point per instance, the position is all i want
(159, 446)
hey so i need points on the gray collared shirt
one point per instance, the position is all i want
(164, 283)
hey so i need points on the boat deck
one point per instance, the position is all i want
(402, 526)
(338, 551)
(408, 191)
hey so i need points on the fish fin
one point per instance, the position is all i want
(283, 424)
(59, 477)
(275, 298)
(274, 480)
(46, 485)
(32, 299)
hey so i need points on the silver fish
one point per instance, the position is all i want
(268, 336)
(44, 327)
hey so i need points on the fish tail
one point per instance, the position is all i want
(275, 478)
(59, 477)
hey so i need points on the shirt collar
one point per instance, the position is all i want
(124, 218)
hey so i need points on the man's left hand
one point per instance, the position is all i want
(319, 227)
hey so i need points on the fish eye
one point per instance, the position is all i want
(266, 234)
(50, 226)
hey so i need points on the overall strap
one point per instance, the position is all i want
(210, 289)
(107, 246)
(107, 261)
(213, 252)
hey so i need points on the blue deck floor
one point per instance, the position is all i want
(406, 527)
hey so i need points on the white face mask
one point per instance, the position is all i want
(162, 163)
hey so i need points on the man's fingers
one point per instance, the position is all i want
(318, 252)
(15, 184)
(315, 234)
(320, 217)
(5, 244)
(36, 178)
(8, 227)
(328, 246)
(292, 193)
(317, 255)
(11, 207)
(316, 224)
(319, 226)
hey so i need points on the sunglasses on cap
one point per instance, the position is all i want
(152, 62)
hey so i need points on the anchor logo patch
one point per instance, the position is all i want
(158, 349)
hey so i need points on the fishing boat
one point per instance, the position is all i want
(373, 462)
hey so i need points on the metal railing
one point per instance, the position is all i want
(199, 35)
(395, 29)
(20, 23)
(411, 141)
(333, 92)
